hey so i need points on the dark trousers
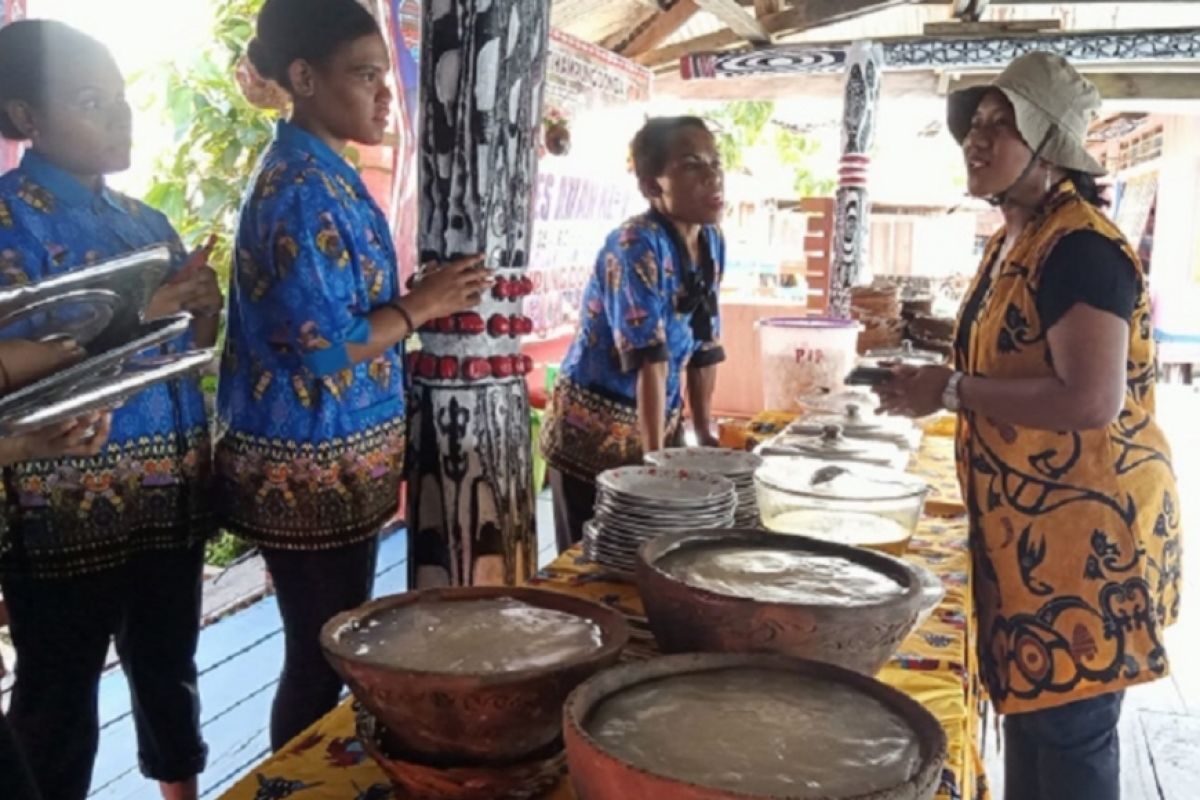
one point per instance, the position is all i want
(574, 504)
(16, 781)
(1071, 752)
(61, 630)
(312, 586)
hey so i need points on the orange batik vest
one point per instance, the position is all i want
(1075, 534)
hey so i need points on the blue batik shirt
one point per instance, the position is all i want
(147, 489)
(310, 447)
(640, 306)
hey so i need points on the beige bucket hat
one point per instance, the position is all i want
(1054, 105)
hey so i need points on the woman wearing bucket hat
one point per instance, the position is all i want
(1068, 480)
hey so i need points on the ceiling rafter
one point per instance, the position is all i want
(738, 20)
(658, 29)
(811, 14)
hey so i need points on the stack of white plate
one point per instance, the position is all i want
(636, 504)
(737, 465)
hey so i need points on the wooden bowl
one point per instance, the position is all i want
(598, 774)
(490, 718)
(688, 619)
(415, 780)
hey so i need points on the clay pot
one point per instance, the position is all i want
(558, 140)
(599, 775)
(494, 718)
(415, 780)
(687, 619)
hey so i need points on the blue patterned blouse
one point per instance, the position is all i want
(147, 490)
(310, 447)
(640, 306)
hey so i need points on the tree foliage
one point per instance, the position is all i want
(747, 124)
(218, 134)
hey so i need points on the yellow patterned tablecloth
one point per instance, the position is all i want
(935, 666)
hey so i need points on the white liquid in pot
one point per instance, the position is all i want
(758, 731)
(862, 530)
(779, 576)
(472, 636)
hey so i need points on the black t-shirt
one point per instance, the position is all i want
(1084, 267)
(1087, 267)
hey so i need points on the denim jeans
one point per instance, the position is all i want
(1066, 753)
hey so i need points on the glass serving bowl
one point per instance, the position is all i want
(840, 501)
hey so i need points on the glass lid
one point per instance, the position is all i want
(831, 443)
(848, 480)
(906, 353)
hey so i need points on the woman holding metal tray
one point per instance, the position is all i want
(108, 546)
(311, 402)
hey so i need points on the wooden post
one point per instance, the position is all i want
(864, 67)
(470, 488)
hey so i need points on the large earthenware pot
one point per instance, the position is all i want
(861, 637)
(495, 718)
(598, 773)
(415, 780)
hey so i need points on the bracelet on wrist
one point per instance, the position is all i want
(408, 320)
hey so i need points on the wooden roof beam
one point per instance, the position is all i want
(659, 29)
(739, 20)
(811, 14)
(1119, 85)
(764, 8)
(1120, 89)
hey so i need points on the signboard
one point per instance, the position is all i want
(582, 196)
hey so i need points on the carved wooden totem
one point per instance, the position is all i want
(470, 487)
(864, 65)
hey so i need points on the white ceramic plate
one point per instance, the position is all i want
(674, 487)
(737, 465)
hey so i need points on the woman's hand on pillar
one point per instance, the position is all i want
(447, 289)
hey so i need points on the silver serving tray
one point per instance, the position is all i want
(151, 334)
(104, 390)
(133, 277)
(97, 307)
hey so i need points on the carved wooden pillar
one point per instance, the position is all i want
(864, 63)
(470, 487)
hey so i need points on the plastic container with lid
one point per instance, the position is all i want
(842, 502)
(801, 355)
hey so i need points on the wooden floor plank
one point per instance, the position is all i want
(1173, 742)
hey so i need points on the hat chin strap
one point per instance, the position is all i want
(1002, 198)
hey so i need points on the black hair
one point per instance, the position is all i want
(311, 30)
(27, 49)
(651, 147)
(1088, 188)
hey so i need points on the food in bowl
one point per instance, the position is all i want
(779, 575)
(860, 530)
(711, 726)
(840, 501)
(485, 636)
(448, 698)
(702, 594)
(759, 731)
